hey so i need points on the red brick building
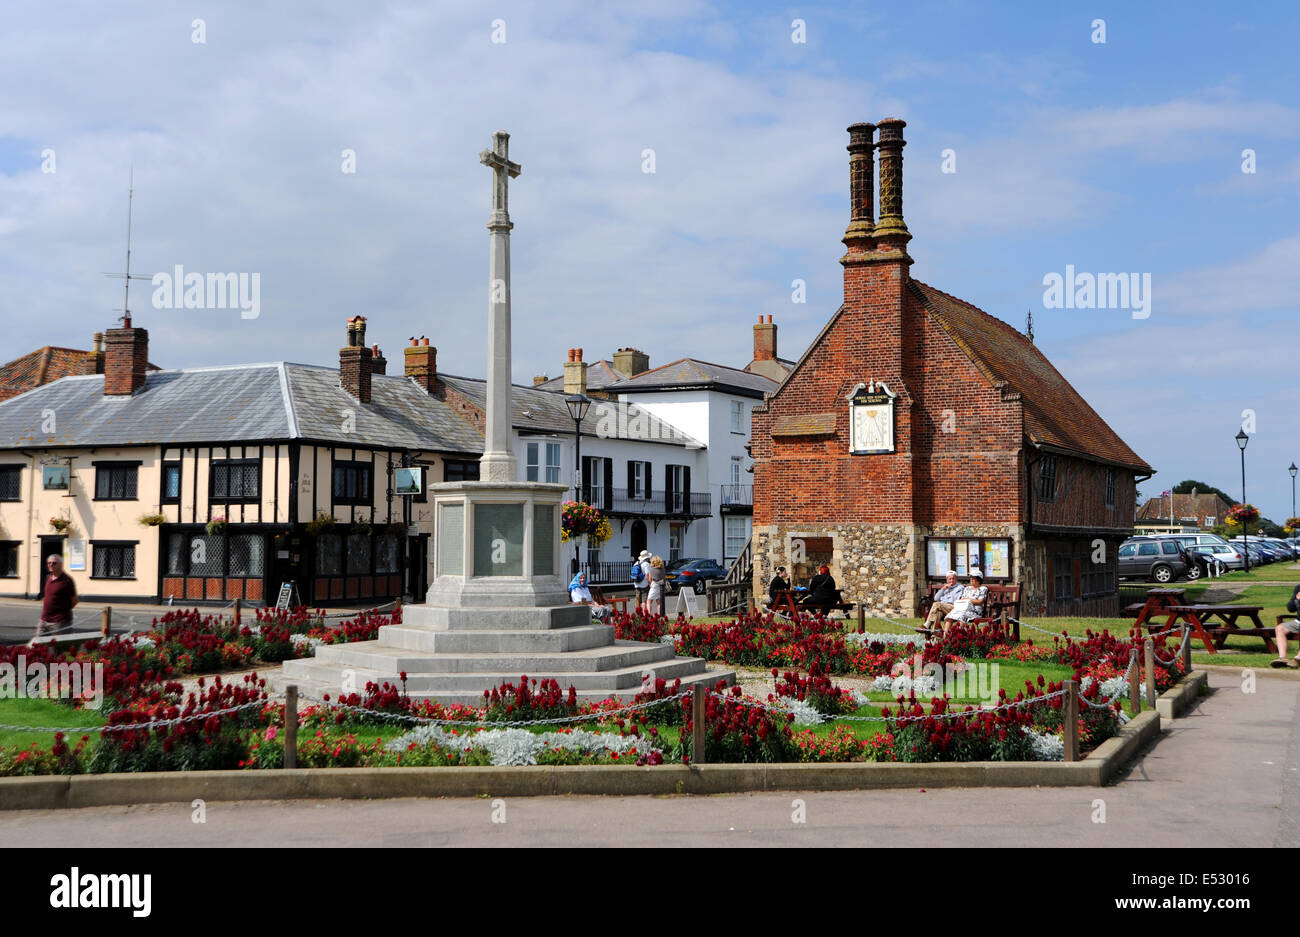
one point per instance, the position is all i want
(969, 447)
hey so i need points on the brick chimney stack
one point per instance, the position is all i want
(631, 361)
(877, 270)
(355, 361)
(858, 235)
(95, 364)
(575, 373)
(421, 363)
(891, 233)
(765, 339)
(126, 360)
(378, 363)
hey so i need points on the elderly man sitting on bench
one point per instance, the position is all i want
(943, 601)
(971, 603)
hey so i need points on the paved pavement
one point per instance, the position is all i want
(1227, 775)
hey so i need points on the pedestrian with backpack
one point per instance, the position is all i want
(640, 575)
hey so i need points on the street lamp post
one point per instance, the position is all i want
(1242, 439)
(577, 404)
(1294, 535)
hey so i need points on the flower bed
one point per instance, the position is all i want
(234, 725)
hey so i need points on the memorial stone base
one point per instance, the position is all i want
(497, 610)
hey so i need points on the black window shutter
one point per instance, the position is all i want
(609, 483)
(668, 488)
(631, 479)
(585, 496)
(648, 489)
(686, 489)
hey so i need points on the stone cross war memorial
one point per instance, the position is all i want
(498, 605)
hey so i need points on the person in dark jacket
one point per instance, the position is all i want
(778, 584)
(821, 589)
(1286, 629)
(60, 595)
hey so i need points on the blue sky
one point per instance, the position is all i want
(1115, 157)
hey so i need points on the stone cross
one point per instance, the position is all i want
(498, 462)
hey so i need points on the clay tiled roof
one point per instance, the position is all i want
(45, 365)
(42, 366)
(1056, 414)
(1203, 505)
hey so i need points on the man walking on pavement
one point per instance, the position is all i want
(60, 597)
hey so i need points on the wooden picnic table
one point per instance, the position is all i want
(790, 600)
(1168, 602)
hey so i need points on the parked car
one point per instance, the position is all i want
(693, 572)
(1209, 543)
(1203, 562)
(1287, 550)
(1195, 540)
(1149, 558)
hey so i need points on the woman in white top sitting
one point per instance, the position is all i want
(971, 603)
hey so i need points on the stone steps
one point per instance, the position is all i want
(394, 660)
(582, 637)
(454, 654)
(495, 618)
(467, 689)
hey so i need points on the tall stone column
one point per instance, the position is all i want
(498, 462)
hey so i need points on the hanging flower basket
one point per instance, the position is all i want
(152, 520)
(215, 527)
(582, 520)
(1243, 514)
(60, 523)
(320, 524)
(361, 525)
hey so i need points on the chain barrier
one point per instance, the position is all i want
(134, 726)
(1187, 634)
(474, 723)
(756, 704)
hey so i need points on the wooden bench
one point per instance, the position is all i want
(617, 603)
(1002, 597)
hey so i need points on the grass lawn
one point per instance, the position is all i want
(1275, 572)
(40, 712)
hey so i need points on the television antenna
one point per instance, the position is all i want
(128, 276)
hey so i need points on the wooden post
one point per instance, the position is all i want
(1150, 654)
(699, 712)
(1187, 649)
(749, 604)
(106, 621)
(1134, 684)
(862, 618)
(1003, 618)
(238, 606)
(1070, 721)
(291, 726)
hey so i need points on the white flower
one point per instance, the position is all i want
(521, 747)
(1046, 746)
(884, 637)
(903, 685)
(804, 713)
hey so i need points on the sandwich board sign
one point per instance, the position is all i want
(688, 603)
(287, 591)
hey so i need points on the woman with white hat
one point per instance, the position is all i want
(641, 582)
(971, 603)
